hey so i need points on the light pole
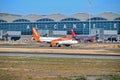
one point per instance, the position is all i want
(89, 1)
(115, 27)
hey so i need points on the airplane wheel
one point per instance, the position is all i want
(58, 45)
(50, 45)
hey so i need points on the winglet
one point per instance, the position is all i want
(36, 35)
(73, 33)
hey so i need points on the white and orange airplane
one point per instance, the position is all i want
(54, 41)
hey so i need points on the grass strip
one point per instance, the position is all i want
(38, 68)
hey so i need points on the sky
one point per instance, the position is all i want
(66, 7)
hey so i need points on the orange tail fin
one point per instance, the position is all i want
(36, 35)
(72, 33)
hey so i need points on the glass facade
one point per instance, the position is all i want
(21, 20)
(45, 20)
(70, 19)
(2, 21)
(97, 19)
(65, 24)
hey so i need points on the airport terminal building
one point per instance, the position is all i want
(106, 25)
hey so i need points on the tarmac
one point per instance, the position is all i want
(81, 48)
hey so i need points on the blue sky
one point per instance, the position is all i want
(66, 7)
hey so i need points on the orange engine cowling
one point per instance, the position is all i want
(54, 42)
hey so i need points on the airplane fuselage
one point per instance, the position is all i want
(47, 39)
(85, 38)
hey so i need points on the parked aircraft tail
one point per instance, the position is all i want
(36, 35)
(72, 33)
